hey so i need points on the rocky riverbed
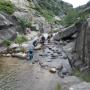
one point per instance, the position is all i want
(18, 74)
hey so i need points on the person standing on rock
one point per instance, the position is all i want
(48, 38)
(42, 41)
(30, 53)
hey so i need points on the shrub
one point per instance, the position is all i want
(47, 14)
(7, 43)
(85, 75)
(20, 40)
(70, 18)
(7, 6)
(24, 22)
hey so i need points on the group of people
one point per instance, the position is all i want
(35, 43)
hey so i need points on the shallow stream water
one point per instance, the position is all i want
(18, 74)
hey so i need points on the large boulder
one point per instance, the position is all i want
(8, 27)
(66, 32)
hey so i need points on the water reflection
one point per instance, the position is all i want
(8, 73)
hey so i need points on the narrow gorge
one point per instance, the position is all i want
(60, 62)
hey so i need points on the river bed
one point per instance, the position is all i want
(22, 75)
(18, 74)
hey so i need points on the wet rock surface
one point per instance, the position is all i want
(16, 74)
(22, 75)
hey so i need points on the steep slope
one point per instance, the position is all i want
(8, 23)
(51, 8)
(56, 7)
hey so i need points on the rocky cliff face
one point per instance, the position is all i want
(21, 4)
(36, 9)
(8, 27)
(82, 46)
(80, 54)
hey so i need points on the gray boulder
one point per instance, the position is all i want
(66, 32)
(8, 27)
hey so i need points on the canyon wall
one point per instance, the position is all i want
(82, 46)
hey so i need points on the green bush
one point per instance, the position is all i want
(7, 43)
(74, 17)
(20, 40)
(47, 14)
(70, 18)
(24, 22)
(7, 6)
(82, 75)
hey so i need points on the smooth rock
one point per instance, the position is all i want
(52, 70)
(7, 55)
(20, 55)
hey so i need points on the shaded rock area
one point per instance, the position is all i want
(66, 32)
(77, 49)
(81, 56)
(8, 27)
(77, 52)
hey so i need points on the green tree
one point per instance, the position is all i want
(20, 39)
(70, 18)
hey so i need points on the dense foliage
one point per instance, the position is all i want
(51, 8)
(70, 18)
(47, 14)
(74, 17)
(24, 23)
(68, 14)
(7, 43)
(7, 6)
(58, 7)
(20, 39)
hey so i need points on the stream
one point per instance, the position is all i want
(18, 74)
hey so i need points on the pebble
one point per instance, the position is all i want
(52, 70)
